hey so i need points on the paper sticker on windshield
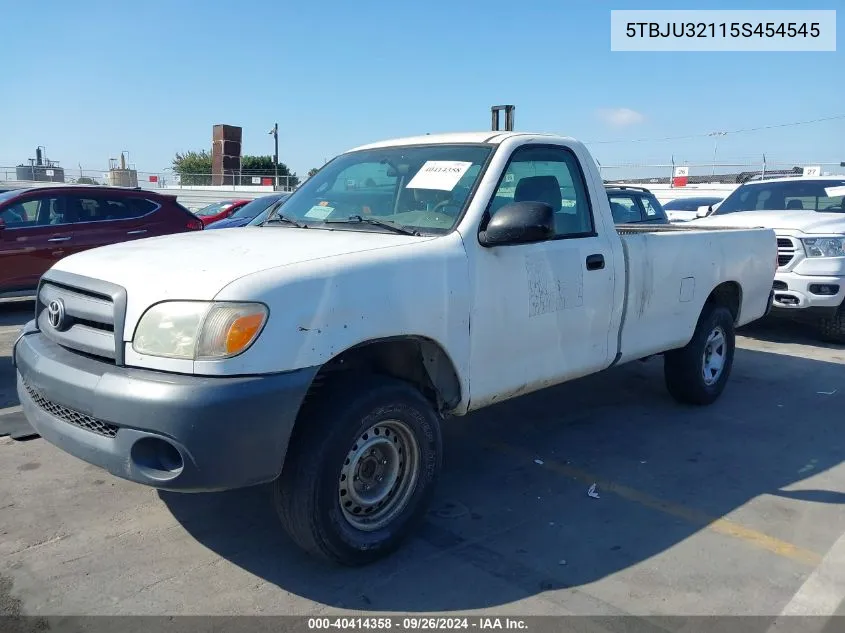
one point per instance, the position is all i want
(439, 174)
(832, 192)
(319, 212)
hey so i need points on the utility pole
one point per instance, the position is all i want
(715, 136)
(275, 133)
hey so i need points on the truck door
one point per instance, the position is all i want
(542, 311)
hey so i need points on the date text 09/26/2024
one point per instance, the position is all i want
(415, 623)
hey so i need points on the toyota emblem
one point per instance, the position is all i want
(56, 313)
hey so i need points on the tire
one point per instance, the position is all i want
(336, 431)
(832, 329)
(684, 369)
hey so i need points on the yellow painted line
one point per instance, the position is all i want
(721, 526)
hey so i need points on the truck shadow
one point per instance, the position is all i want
(512, 517)
(786, 330)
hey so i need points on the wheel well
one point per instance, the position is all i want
(729, 295)
(417, 360)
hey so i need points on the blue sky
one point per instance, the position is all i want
(89, 79)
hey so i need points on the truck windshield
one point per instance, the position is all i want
(824, 196)
(423, 188)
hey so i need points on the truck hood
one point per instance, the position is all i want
(198, 265)
(802, 221)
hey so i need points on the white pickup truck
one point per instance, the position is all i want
(808, 217)
(406, 282)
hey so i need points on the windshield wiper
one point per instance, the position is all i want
(275, 216)
(357, 219)
(285, 220)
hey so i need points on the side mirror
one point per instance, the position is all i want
(519, 223)
(703, 212)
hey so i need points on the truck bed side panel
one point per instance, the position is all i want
(670, 275)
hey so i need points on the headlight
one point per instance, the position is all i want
(198, 330)
(824, 246)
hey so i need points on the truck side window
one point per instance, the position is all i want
(551, 175)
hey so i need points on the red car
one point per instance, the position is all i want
(41, 225)
(219, 210)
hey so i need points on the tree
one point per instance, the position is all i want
(194, 168)
(263, 166)
(85, 180)
(313, 171)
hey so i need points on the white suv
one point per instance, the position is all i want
(808, 217)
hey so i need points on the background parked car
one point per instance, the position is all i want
(808, 217)
(634, 205)
(685, 209)
(219, 210)
(248, 212)
(42, 225)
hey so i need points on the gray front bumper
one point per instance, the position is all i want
(228, 432)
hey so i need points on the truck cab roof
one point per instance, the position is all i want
(490, 136)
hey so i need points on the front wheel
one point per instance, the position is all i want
(697, 373)
(360, 469)
(832, 329)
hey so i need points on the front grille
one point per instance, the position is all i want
(77, 419)
(786, 251)
(87, 321)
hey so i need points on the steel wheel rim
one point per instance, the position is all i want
(715, 354)
(379, 475)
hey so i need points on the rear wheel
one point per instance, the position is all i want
(832, 329)
(697, 373)
(360, 469)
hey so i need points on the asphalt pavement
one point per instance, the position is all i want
(733, 509)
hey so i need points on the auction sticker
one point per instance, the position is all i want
(319, 212)
(439, 174)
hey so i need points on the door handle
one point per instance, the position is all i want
(58, 239)
(138, 232)
(595, 262)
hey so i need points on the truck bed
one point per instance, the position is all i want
(632, 229)
(667, 284)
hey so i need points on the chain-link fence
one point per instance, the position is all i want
(729, 172)
(726, 172)
(232, 179)
(165, 179)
